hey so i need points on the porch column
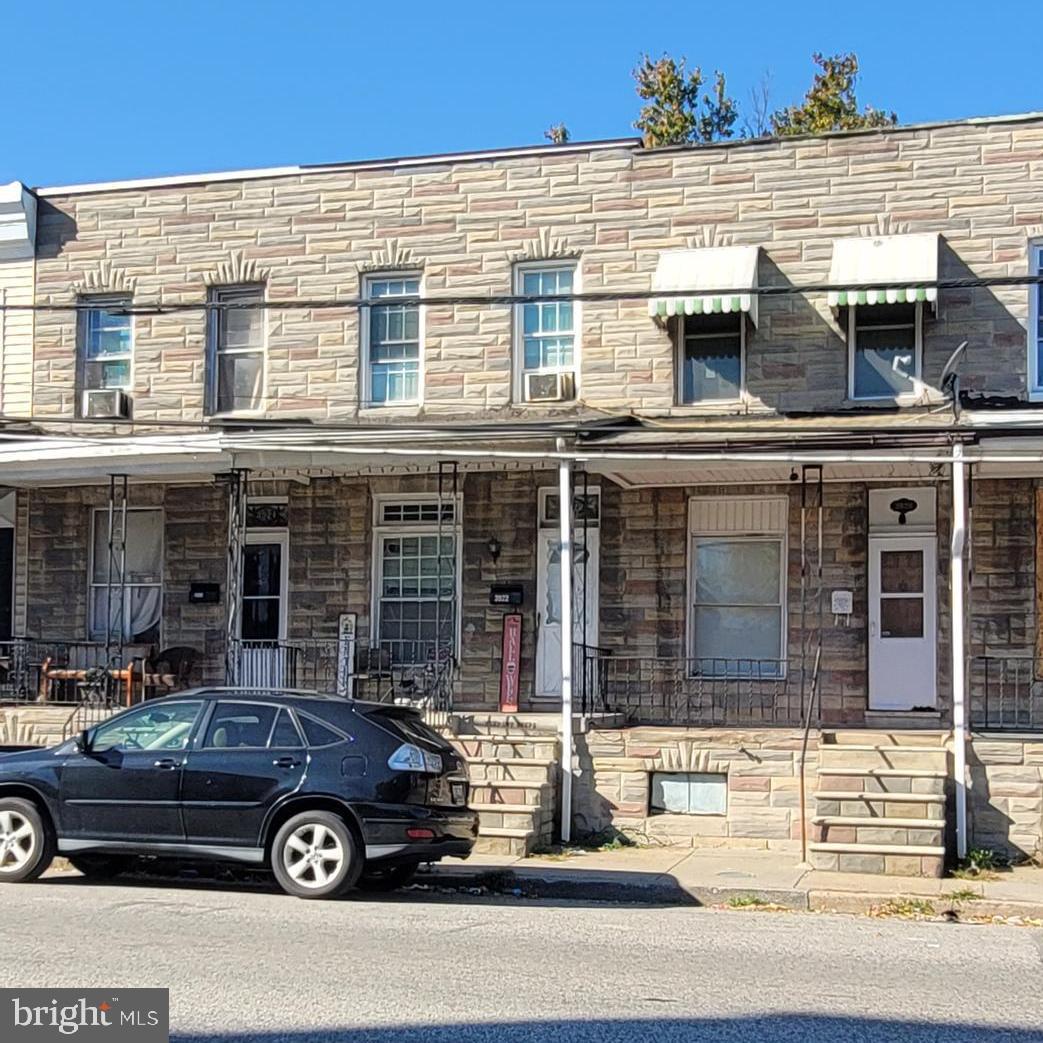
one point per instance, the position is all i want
(959, 680)
(565, 565)
(233, 593)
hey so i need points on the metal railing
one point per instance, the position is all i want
(689, 691)
(64, 673)
(1006, 693)
(394, 672)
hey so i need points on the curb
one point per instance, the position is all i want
(664, 890)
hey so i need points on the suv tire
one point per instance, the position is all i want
(314, 855)
(27, 842)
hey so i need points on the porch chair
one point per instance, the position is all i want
(167, 671)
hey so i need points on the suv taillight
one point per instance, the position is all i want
(411, 758)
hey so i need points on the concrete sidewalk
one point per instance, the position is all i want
(743, 878)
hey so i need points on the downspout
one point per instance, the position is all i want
(565, 566)
(959, 680)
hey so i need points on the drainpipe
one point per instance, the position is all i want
(565, 565)
(959, 680)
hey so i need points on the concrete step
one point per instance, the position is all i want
(520, 769)
(508, 747)
(915, 737)
(463, 724)
(503, 841)
(875, 795)
(878, 849)
(880, 822)
(884, 773)
(495, 792)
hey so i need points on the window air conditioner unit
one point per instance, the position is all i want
(549, 387)
(106, 404)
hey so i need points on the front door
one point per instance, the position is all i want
(265, 661)
(127, 785)
(250, 757)
(585, 565)
(902, 622)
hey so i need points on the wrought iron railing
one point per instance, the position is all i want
(688, 691)
(396, 672)
(1006, 693)
(65, 673)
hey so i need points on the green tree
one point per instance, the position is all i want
(674, 113)
(830, 103)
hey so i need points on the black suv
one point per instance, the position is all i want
(326, 792)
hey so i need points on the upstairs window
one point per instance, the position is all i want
(712, 351)
(237, 350)
(1036, 320)
(545, 333)
(884, 343)
(391, 340)
(106, 345)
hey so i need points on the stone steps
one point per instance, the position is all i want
(34, 725)
(882, 805)
(513, 768)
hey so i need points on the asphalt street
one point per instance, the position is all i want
(250, 964)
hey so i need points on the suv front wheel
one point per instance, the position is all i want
(314, 855)
(26, 841)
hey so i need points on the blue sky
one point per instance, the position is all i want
(103, 89)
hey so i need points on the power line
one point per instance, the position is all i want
(513, 299)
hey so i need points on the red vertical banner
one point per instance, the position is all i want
(510, 666)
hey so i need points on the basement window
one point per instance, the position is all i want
(689, 793)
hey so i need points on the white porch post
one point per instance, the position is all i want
(565, 565)
(959, 680)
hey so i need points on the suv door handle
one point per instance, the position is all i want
(286, 762)
(168, 763)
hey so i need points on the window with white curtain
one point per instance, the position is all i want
(142, 605)
(737, 587)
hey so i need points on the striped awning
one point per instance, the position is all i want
(902, 259)
(707, 271)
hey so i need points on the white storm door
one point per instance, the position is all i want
(903, 619)
(585, 565)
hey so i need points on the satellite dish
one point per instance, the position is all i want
(949, 370)
(950, 380)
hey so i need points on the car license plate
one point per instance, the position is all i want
(458, 790)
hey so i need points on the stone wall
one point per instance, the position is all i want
(1005, 797)
(464, 223)
(763, 784)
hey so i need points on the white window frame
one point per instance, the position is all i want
(366, 382)
(101, 302)
(1035, 341)
(381, 531)
(545, 492)
(518, 327)
(907, 397)
(780, 535)
(103, 512)
(255, 537)
(218, 294)
(707, 404)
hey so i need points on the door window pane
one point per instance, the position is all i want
(240, 725)
(901, 617)
(901, 571)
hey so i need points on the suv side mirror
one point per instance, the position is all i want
(83, 741)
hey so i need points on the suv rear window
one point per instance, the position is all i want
(316, 733)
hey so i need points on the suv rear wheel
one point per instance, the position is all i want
(314, 855)
(27, 843)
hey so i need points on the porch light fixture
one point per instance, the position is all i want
(494, 547)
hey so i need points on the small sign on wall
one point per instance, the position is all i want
(346, 630)
(510, 666)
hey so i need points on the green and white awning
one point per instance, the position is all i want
(909, 260)
(701, 276)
